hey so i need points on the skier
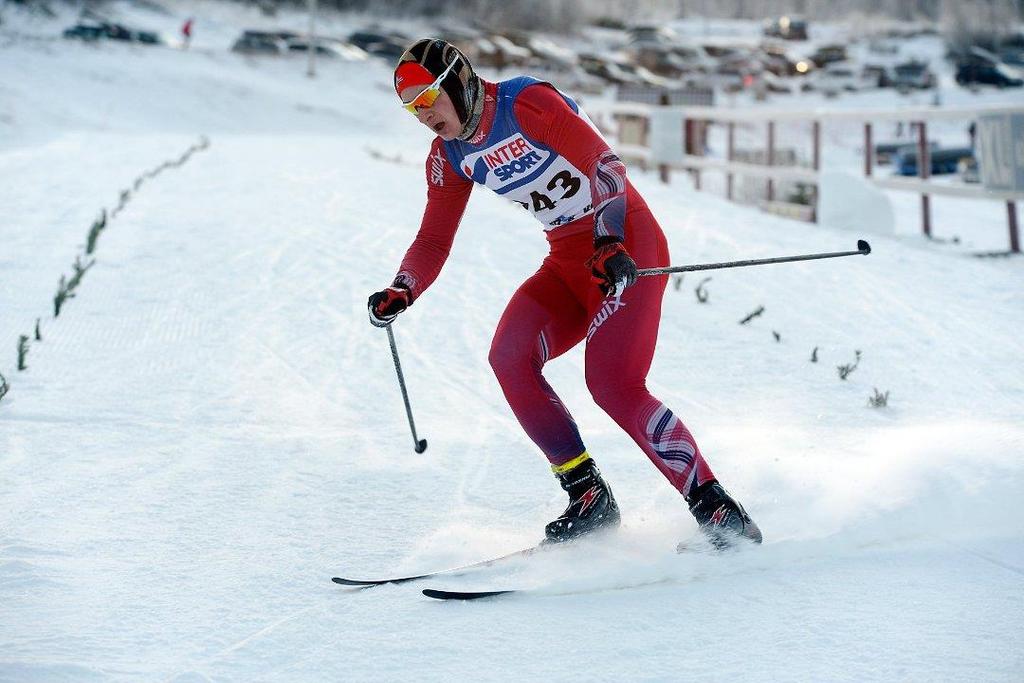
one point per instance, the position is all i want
(527, 141)
(186, 33)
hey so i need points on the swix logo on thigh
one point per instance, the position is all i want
(607, 311)
(507, 159)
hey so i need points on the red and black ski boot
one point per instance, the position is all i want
(720, 517)
(591, 504)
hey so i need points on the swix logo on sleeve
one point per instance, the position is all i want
(437, 167)
(508, 160)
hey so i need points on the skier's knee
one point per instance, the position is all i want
(502, 358)
(613, 395)
(512, 363)
(605, 392)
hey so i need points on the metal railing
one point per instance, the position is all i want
(696, 163)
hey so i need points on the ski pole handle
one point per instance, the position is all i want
(863, 248)
(419, 445)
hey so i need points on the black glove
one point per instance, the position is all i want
(612, 267)
(385, 305)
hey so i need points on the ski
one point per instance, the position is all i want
(463, 595)
(367, 583)
(477, 595)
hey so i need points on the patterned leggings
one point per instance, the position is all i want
(559, 306)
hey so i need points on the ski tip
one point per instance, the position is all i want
(353, 582)
(461, 595)
(863, 247)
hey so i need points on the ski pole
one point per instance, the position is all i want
(419, 445)
(862, 248)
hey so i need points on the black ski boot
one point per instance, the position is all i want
(591, 504)
(720, 517)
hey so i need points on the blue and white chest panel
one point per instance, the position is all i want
(524, 170)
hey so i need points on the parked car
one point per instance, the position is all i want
(117, 32)
(552, 53)
(89, 31)
(607, 69)
(913, 75)
(387, 45)
(86, 32)
(876, 75)
(510, 53)
(827, 54)
(886, 152)
(883, 47)
(787, 28)
(648, 77)
(259, 43)
(943, 161)
(987, 74)
(332, 49)
(651, 35)
(1014, 56)
(148, 37)
(731, 78)
(833, 79)
(692, 58)
(772, 83)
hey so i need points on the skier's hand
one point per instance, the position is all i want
(385, 305)
(613, 268)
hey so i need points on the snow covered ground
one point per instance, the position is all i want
(211, 430)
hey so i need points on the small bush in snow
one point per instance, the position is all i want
(814, 355)
(80, 269)
(778, 337)
(121, 202)
(62, 295)
(22, 352)
(94, 232)
(758, 311)
(66, 288)
(845, 370)
(879, 400)
(677, 282)
(39, 335)
(701, 291)
(4, 386)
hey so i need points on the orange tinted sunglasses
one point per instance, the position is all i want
(426, 97)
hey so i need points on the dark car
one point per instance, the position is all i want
(103, 29)
(877, 74)
(387, 45)
(148, 37)
(826, 54)
(988, 74)
(117, 32)
(942, 160)
(913, 75)
(86, 32)
(259, 43)
(1012, 56)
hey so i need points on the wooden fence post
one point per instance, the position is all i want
(1011, 216)
(730, 154)
(924, 170)
(868, 151)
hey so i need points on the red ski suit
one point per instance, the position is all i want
(560, 305)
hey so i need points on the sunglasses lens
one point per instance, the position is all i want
(424, 100)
